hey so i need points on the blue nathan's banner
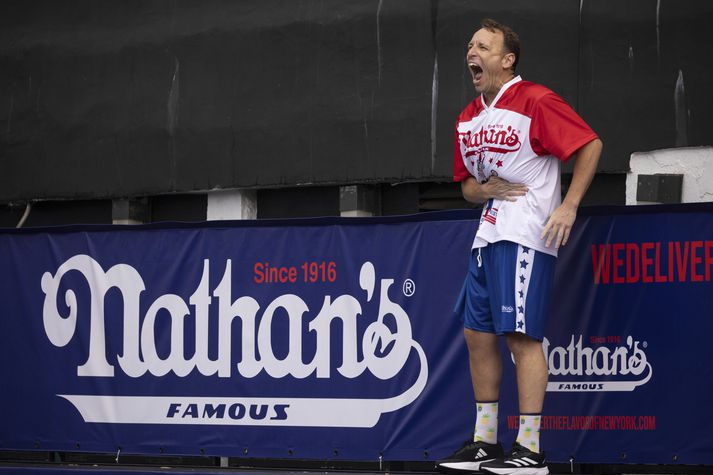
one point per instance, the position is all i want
(335, 339)
(628, 343)
(304, 339)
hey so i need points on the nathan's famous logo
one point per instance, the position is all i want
(494, 138)
(385, 349)
(580, 368)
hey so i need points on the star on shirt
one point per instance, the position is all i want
(499, 163)
(522, 279)
(523, 264)
(522, 294)
(525, 250)
(521, 309)
(520, 324)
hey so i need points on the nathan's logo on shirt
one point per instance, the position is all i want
(382, 345)
(492, 138)
(608, 366)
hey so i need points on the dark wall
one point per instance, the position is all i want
(58, 213)
(644, 74)
(298, 202)
(116, 99)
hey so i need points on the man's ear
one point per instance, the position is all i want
(508, 60)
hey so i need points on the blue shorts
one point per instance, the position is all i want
(508, 289)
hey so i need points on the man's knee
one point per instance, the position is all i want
(521, 345)
(478, 341)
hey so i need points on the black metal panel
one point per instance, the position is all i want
(659, 188)
(192, 207)
(117, 99)
(11, 215)
(399, 199)
(58, 213)
(606, 189)
(298, 202)
(632, 54)
(123, 99)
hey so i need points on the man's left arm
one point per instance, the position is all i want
(562, 219)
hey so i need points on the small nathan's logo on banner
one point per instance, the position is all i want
(579, 368)
(384, 349)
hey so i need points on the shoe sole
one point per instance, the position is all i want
(461, 467)
(518, 471)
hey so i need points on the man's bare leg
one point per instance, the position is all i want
(531, 371)
(486, 366)
(486, 373)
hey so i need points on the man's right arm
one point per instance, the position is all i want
(495, 187)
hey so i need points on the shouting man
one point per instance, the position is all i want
(509, 144)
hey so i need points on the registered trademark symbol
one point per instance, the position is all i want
(409, 287)
(645, 344)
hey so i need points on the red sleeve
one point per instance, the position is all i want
(460, 172)
(556, 129)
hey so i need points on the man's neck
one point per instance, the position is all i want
(490, 96)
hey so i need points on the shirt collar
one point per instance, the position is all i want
(505, 87)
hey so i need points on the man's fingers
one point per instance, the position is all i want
(557, 228)
(552, 232)
(557, 234)
(550, 235)
(566, 237)
(546, 230)
(505, 190)
(512, 194)
(560, 236)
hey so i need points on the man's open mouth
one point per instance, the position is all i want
(476, 71)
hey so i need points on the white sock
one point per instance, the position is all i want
(529, 433)
(486, 422)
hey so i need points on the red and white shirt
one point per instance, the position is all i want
(521, 137)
